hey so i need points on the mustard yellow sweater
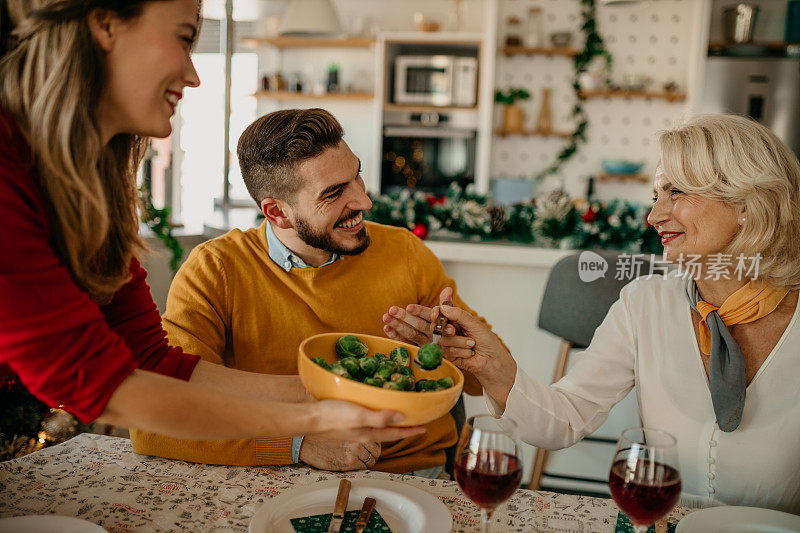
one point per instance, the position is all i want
(232, 305)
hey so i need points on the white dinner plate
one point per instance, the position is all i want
(50, 522)
(406, 509)
(738, 520)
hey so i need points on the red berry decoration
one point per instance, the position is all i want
(589, 215)
(421, 231)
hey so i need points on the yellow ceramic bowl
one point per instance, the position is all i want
(417, 407)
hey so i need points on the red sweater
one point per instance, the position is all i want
(65, 348)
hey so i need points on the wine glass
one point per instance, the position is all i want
(645, 479)
(488, 467)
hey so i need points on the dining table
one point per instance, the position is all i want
(100, 479)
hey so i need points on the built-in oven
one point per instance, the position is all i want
(440, 80)
(428, 151)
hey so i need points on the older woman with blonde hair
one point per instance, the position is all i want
(712, 351)
(83, 85)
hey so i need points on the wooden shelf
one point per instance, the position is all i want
(414, 107)
(308, 42)
(638, 178)
(437, 37)
(534, 133)
(286, 95)
(753, 49)
(509, 51)
(672, 96)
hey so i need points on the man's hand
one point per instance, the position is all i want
(414, 324)
(333, 454)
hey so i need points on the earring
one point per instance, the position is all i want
(743, 219)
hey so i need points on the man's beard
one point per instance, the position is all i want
(325, 241)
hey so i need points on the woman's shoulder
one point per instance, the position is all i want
(656, 289)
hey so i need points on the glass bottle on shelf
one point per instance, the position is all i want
(295, 82)
(513, 32)
(534, 31)
(333, 78)
(544, 124)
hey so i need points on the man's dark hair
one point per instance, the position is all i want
(270, 149)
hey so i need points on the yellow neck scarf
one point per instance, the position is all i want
(751, 302)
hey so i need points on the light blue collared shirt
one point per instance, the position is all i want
(287, 260)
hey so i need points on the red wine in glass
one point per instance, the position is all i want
(487, 467)
(644, 500)
(489, 477)
(644, 478)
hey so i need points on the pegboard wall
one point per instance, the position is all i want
(651, 38)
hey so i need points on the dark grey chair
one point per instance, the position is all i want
(572, 309)
(459, 414)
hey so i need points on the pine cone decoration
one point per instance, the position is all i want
(499, 218)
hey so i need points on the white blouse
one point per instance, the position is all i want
(647, 340)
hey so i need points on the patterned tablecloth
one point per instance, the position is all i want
(100, 479)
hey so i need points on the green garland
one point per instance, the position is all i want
(556, 221)
(594, 47)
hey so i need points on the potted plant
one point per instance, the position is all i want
(513, 116)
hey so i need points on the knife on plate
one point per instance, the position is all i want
(363, 517)
(340, 507)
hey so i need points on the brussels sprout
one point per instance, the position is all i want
(399, 377)
(393, 385)
(406, 382)
(426, 385)
(445, 382)
(339, 370)
(380, 357)
(351, 365)
(320, 361)
(350, 346)
(406, 371)
(400, 356)
(385, 370)
(429, 356)
(368, 365)
(375, 382)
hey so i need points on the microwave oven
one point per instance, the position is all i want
(437, 80)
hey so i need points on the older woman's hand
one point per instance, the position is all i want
(478, 351)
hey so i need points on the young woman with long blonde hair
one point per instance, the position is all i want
(83, 84)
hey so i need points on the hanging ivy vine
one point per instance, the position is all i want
(594, 47)
(158, 222)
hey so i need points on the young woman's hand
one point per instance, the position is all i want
(348, 421)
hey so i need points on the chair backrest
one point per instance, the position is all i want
(459, 413)
(571, 308)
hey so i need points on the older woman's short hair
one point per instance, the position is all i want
(735, 160)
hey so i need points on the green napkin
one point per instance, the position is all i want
(624, 525)
(319, 523)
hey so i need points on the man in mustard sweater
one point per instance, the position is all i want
(248, 299)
